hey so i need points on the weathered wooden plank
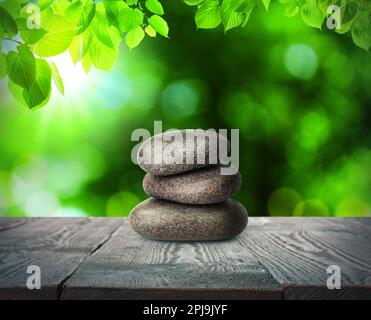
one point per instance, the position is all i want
(6, 223)
(100, 293)
(103, 258)
(298, 251)
(312, 292)
(57, 245)
(131, 267)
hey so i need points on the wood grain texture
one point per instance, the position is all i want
(58, 246)
(6, 223)
(103, 258)
(130, 265)
(298, 251)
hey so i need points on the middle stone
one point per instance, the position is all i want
(203, 186)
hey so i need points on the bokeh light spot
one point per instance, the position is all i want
(242, 111)
(91, 159)
(353, 207)
(301, 61)
(311, 208)
(28, 176)
(181, 98)
(314, 129)
(120, 204)
(66, 176)
(299, 157)
(145, 99)
(113, 91)
(41, 204)
(336, 66)
(282, 202)
(4, 191)
(69, 212)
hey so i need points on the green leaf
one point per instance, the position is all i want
(208, 15)
(231, 18)
(155, 7)
(129, 19)
(80, 45)
(159, 24)
(60, 6)
(324, 4)
(131, 2)
(44, 4)
(113, 9)
(75, 48)
(266, 4)
(312, 16)
(193, 2)
(31, 13)
(116, 36)
(102, 56)
(57, 78)
(86, 63)
(101, 26)
(134, 37)
(60, 33)
(292, 9)
(361, 30)
(74, 11)
(115, 6)
(246, 7)
(348, 12)
(7, 23)
(33, 35)
(150, 31)
(30, 36)
(12, 6)
(39, 93)
(21, 66)
(16, 91)
(3, 65)
(87, 15)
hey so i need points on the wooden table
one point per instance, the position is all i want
(103, 258)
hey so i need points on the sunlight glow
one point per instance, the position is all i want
(86, 98)
(73, 75)
(107, 89)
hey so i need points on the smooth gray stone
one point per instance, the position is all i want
(177, 153)
(165, 220)
(203, 186)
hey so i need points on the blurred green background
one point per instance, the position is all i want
(300, 97)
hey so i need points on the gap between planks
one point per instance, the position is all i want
(62, 285)
(7, 224)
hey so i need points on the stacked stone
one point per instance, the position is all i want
(190, 202)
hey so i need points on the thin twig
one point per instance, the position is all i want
(16, 41)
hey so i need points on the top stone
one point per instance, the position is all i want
(179, 151)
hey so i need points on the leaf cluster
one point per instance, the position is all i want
(354, 15)
(91, 31)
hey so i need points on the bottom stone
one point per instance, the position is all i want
(164, 220)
